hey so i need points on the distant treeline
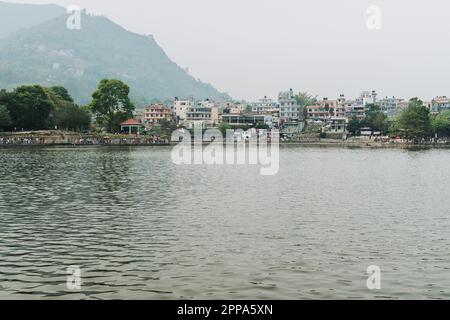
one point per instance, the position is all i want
(33, 107)
(415, 122)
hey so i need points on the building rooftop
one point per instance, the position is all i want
(130, 122)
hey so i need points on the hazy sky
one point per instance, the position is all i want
(252, 48)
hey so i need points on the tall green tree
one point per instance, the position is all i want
(167, 127)
(392, 127)
(62, 93)
(111, 97)
(414, 122)
(74, 117)
(66, 114)
(28, 106)
(5, 118)
(441, 124)
(119, 117)
(371, 108)
(304, 99)
(376, 119)
(379, 122)
(354, 125)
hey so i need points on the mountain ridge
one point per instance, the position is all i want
(18, 16)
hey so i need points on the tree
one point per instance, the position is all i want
(28, 106)
(414, 122)
(111, 97)
(371, 108)
(441, 124)
(376, 119)
(75, 118)
(62, 93)
(167, 127)
(379, 122)
(354, 126)
(305, 99)
(119, 117)
(5, 118)
(393, 129)
(66, 114)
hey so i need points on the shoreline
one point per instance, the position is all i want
(316, 144)
(45, 139)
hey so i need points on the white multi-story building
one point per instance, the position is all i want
(181, 108)
(264, 106)
(341, 106)
(289, 109)
(368, 97)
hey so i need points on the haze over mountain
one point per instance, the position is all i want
(14, 17)
(48, 53)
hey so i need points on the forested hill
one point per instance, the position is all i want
(51, 54)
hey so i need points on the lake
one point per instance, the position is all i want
(140, 227)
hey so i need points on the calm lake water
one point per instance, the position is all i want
(141, 227)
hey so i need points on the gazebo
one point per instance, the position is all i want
(131, 126)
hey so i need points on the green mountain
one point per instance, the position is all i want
(51, 54)
(14, 16)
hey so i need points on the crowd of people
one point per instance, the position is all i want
(398, 140)
(21, 141)
(145, 140)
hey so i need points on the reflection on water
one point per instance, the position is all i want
(141, 227)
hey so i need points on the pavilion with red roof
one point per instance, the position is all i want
(132, 126)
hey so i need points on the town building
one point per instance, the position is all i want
(180, 109)
(341, 105)
(324, 110)
(337, 125)
(233, 108)
(368, 97)
(156, 113)
(439, 104)
(289, 109)
(390, 106)
(292, 128)
(317, 113)
(204, 112)
(252, 119)
(355, 109)
(264, 105)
